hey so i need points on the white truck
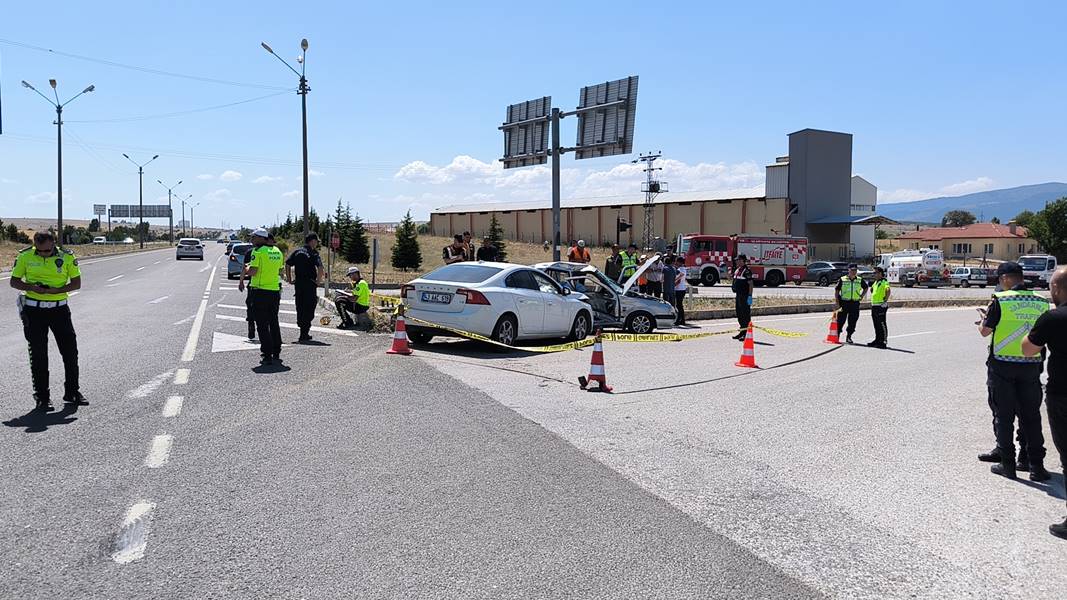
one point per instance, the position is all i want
(918, 267)
(1037, 269)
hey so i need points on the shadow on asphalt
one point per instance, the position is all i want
(36, 422)
(1053, 487)
(890, 349)
(274, 367)
(470, 349)
(312, 343)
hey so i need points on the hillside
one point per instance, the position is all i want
(1003, 204)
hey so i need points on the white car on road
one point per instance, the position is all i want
(501, 301)
(189, 248)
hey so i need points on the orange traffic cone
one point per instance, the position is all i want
(596, 369)
(400, 335)
(748, 353)
(832, 337)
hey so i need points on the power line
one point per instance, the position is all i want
(182, 112)
(141, 69)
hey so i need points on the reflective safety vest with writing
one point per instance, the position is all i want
(268, 261)
(361, 293)
(851, 289)
(878, 291)
(53, 271)
(629, 263)
(1019, 311)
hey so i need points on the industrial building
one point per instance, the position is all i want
(811, 192)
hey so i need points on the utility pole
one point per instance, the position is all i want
(651, 188)
(302, 90)
(170, 209)
(140, 195)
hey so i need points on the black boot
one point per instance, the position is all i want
(1059, 529)
(42, 403)
(1039, 473)
(991, 456)
(75, 398)
(1004, 469)
(251, 331)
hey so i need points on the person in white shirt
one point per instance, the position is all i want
(680, 288)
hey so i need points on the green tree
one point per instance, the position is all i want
(1049, 228)
(94, 225)
(3, 230)
(354, 241)
(496, 238)
(881, 234)
(342, 220)
(11, 232)
(1024, 218)
(995, 221)
(406, 253)
(958, 218)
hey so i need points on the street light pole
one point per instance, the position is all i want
(183, 213)
(59, 146)
(170, 209)
(192, 223)
(140, 197)
(302, 90)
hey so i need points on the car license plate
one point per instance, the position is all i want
(437, 297)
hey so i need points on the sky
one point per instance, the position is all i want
(943, 98)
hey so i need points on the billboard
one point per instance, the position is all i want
(526, 133)
(606, 115)
(99, 209)
(133, 211)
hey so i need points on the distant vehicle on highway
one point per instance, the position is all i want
(128, 240)
(501, 301)
(774, 259)
(189, 248)
(614, 305)
(968, 276)
(236, 262)
(99, 240)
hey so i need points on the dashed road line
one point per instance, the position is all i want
(75, 293)
(185, 320)
(157, 262)
(911, 334)
(146, 389)
(132, 539)
(158, 300)
(173, 406)
(116, 277)
(159, 453)
(235, 307)
(139, 269)
(181, 377)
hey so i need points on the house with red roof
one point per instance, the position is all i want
(980, 240)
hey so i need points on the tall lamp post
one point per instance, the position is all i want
(192, 223)
(170, 210)
(140, 198)
(302, 90)
(184, 200)
(59, 146)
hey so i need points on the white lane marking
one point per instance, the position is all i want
(139, 269)
(291, 326)
(113, 284)
(133, 535)
(198, 322)
(116, 277)
(227, 289)
(158, 300)
(911, 334)
(181, 377)
(5, 278)
(157, 262)
(185, 320)
(235, 307)
(173, 406)
(146, 389)
(224, 342)
(75, 293)
(206, 267)
(159, 453)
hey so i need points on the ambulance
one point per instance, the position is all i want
(774, 259)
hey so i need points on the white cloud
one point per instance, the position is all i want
(219, 195)
(5, 180)
(41, 198)
(205, 177)
(315, 173)
(461, 166)
(970, 186)
(266, 179)
(230, 176)
(291, 194)
(902, 195)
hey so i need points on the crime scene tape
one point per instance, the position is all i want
(780, 333)
(481, 338)
(660, 337)
(391, 300)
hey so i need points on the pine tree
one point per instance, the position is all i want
(496, 238)
(406, 253)
(354, 243)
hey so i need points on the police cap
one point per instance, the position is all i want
(1009, 268)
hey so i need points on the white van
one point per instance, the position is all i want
(1037, 269)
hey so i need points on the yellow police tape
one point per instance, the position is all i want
(780, 333)
(481, 338)
(391, 300)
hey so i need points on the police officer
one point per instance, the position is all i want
(849, 294)
(46, 274)
(879, 307)
(357, 301)
(1013, 377)
(309, 274)
(264, 273)
(742, 287)
(629, 263)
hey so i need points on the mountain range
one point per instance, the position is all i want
(1003, 204)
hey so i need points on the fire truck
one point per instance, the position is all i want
(774, 259)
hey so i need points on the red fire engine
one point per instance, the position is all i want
(774, 259)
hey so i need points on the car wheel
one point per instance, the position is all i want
(709, 277)
(640, 322)
(775, 279)
(797, 282)
(580, 329)
(506, 330)
(419, 337)
(824, 280)
(981, 286)
(965, 283)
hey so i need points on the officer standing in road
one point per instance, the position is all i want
(879, 307)
(264, 273)
(742, 287)
(1014, 379)
(309, 275)
(46, 274)
(1051, 330)
(849, 294)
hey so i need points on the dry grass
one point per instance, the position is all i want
(9, 250)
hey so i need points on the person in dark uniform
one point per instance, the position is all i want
(742, 287)
(1051, 330)
(250, 316)
(309, 274)
(264, 272)
(46, 274)
(1014, 378)
(849, 294)
(487, 251)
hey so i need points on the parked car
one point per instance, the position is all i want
(221, 241)
(236, 262)
(99, 240)
(189, 248)
(501, 301)
(968, 276)
(826, 273)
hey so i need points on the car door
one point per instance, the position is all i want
(528, 302)
(557, 319)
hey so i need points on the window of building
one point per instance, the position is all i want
(961, 248)
(1022, 248)
(988, 248)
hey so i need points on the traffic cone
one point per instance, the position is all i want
(596, 369)
(748, 353)
(832, 337)
(400, 335)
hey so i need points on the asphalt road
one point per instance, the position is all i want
(345, 473)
